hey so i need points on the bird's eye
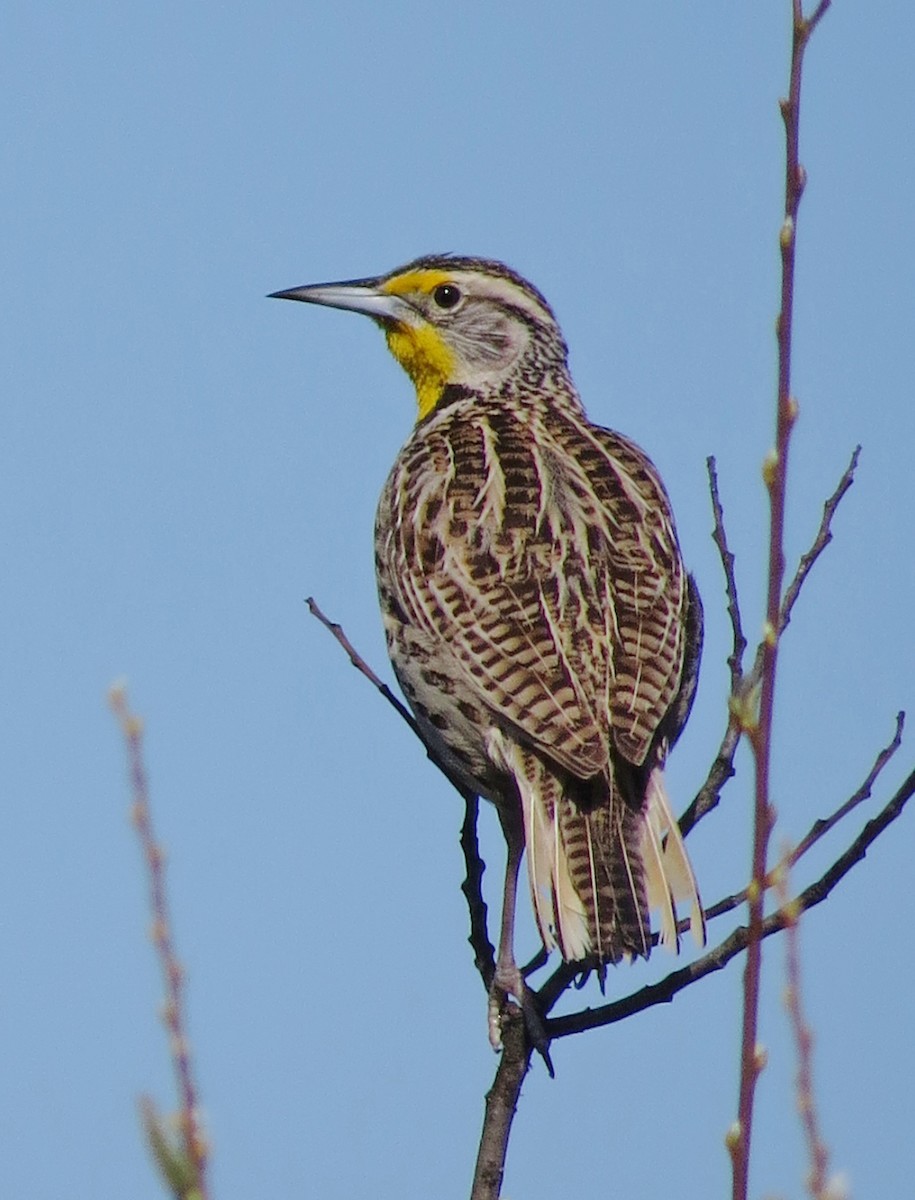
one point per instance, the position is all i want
(446, 295)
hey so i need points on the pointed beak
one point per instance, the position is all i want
(362, 296)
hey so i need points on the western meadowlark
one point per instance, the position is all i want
(537, 611)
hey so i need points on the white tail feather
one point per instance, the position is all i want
(658, 888)
(538, 838)
(668, 869)
(559, 910)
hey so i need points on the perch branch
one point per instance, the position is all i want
(484, 953)
(501, 1105)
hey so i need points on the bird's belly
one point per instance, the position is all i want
(453, 723)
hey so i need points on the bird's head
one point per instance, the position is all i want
(469, 324)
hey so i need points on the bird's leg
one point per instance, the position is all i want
(508, 979)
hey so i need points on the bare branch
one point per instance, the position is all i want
(484, 953)
(721, 770)
(803, 1040)
(743, 685)
(362, 666)
(814, 19)
(501, 1105)
(819, 828)
(820, 542)
(823, 826)
(719, 537)
(775, 475)
(472, 887)
(364, 669)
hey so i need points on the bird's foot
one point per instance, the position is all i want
(508, 983)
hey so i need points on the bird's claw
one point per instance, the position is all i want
(510, 985)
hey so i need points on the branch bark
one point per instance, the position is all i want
(501, 1106)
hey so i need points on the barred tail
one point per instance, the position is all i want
(584, 867)
(596, 871)
(602, 846)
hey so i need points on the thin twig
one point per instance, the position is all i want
(721, 770)
(362, 666)
(803, 1041)
(472, 887)
(719, 537)
(823, 826)
(184, 1167)
(819, 828)
(744, 685)
(400, 708)
(820, 542)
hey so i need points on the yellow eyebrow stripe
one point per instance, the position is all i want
(415, 281)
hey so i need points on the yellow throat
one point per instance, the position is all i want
(420, 349)
(426, 359)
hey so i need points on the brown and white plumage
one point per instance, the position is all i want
(535, 606)
(537, 611)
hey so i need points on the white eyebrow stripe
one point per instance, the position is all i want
(503, 291)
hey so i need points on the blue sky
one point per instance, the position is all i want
(184, 461)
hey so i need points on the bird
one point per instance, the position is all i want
(537, 611)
